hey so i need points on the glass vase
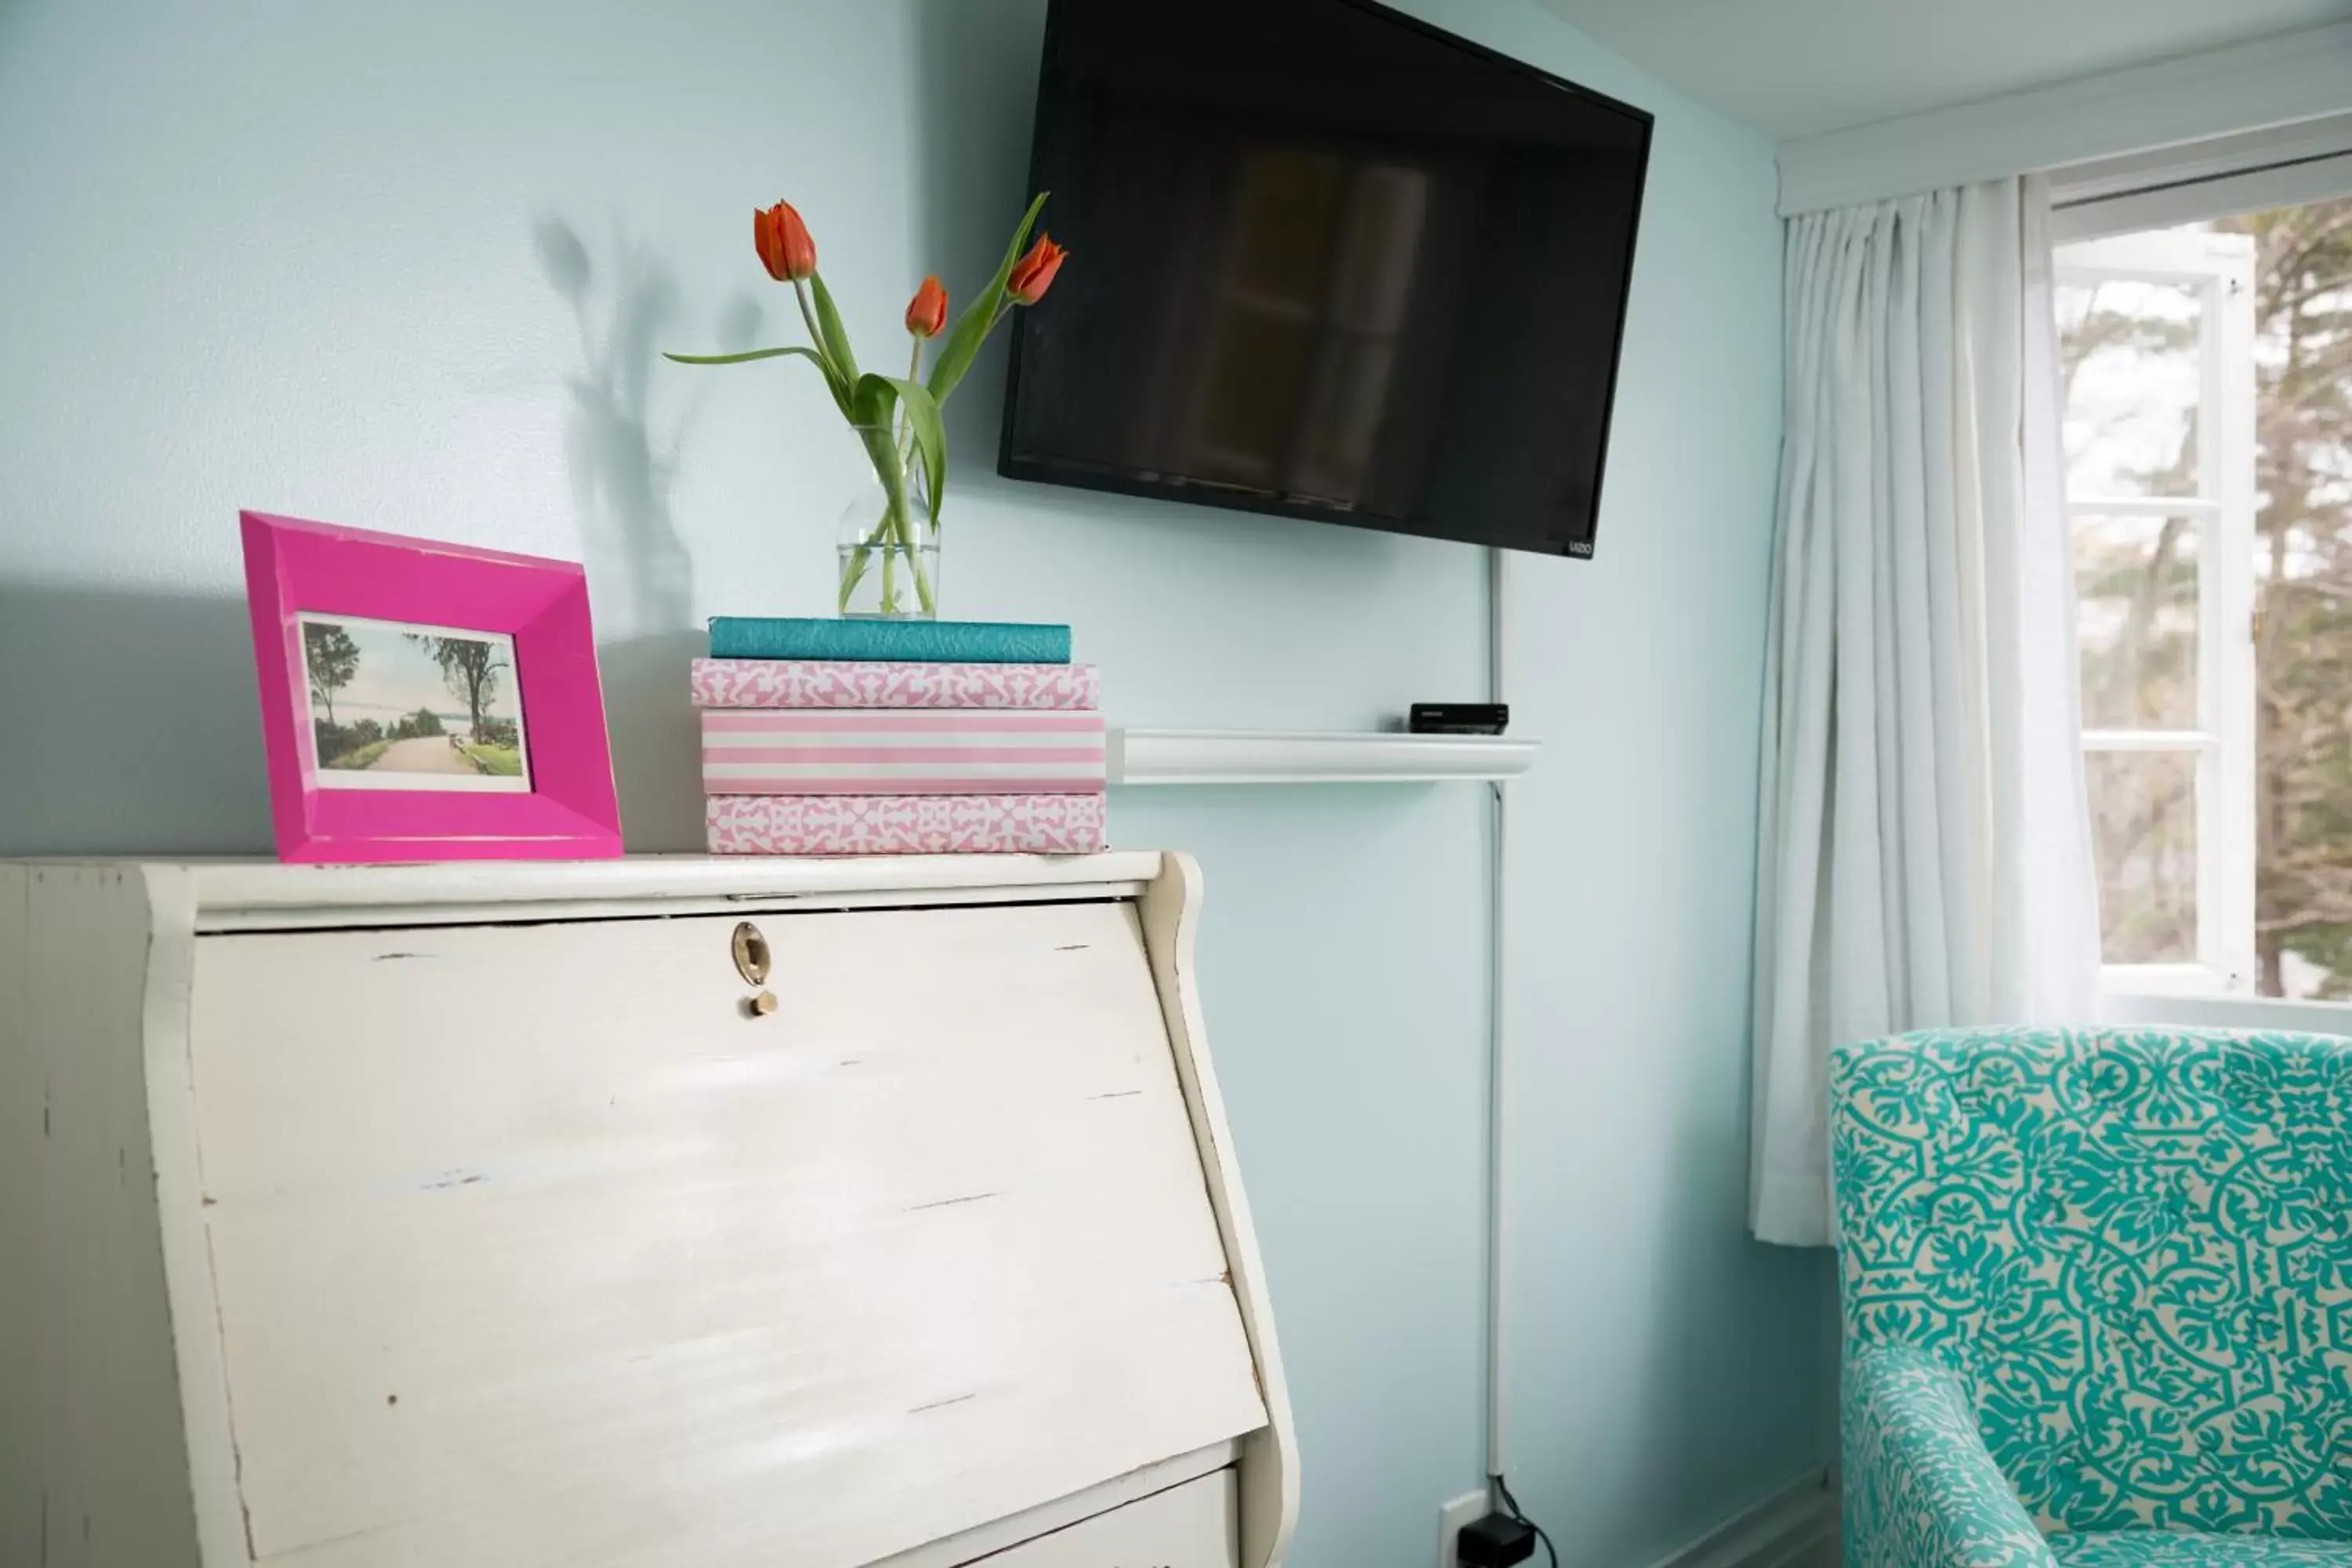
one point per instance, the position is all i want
(886, 547)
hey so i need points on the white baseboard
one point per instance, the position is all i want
(1796, 1527)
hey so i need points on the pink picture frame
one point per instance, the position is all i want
(561, 806)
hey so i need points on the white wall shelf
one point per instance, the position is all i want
(1275, 756)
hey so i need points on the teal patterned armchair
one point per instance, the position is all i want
(2098, 1293)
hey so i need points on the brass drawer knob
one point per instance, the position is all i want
(750, 950)
(762, 1004)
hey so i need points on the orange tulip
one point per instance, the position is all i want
(1034, 273)
(927, 313)
(785, 247)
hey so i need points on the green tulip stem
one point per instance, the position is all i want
(895, 524)
(907, 420)
(893, 533)
(808, 316)
(904, 450)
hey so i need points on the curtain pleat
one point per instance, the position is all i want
(1920, 591)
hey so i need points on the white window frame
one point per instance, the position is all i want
(2220, 267)
(2284, 166)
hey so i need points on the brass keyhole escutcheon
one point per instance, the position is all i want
(750, 955)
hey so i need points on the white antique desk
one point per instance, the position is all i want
(477, 1216)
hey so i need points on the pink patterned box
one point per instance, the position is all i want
(904, 825)
(901, 751)
(835, 683)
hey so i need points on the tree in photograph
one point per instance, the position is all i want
(2302, 570)
(333, 658)
(469, 667)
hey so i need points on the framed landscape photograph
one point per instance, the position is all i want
(425, 701)
(423, 707)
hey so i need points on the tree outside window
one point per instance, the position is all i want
(2208, 391)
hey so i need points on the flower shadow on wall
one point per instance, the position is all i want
(640, 568)
(620, 479)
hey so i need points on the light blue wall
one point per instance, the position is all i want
(1668, 1369)
(308, 257)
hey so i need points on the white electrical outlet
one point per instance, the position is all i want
(1465, 1509)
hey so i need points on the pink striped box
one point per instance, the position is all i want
(904, 825)
(836, 683)
(904, 751)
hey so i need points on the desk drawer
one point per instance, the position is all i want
(1190, 1525)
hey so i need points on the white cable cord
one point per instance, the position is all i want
(1497, 1101)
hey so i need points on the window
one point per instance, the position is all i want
(2156, 357)
(2207, 403)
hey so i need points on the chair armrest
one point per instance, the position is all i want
(1921, 1490)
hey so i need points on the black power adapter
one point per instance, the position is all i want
(1498, 1541)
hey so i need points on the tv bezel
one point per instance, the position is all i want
(1072, 474)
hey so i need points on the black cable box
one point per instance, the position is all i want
(1458, 718)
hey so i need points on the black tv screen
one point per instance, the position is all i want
(1326, 262)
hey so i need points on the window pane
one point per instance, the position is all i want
(2144, 827)
(2136, 620)
(2128, 351)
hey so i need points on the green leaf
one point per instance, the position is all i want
(873, 400)
(931, 436)
(972, 329)
(871, 404)
(748, 356)
(832, 385)
(836, 336)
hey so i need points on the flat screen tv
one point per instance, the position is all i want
(1325, 262)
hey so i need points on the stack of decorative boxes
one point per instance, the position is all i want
(899, 738)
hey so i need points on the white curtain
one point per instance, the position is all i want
(1924, 857)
